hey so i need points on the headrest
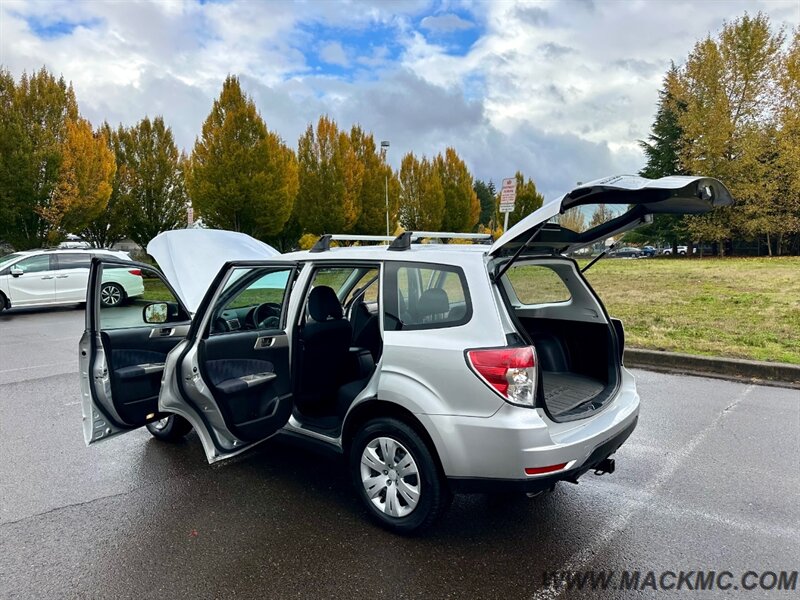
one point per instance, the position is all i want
(433, 302)
(323, 303)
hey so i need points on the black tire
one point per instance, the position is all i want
(3, 302)
(434, 493)
(170, 429)
(112, 294)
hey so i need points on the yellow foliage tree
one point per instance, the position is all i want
(85, 180)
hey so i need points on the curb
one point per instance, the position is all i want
(736, 369)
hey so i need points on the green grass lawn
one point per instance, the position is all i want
(736, 307)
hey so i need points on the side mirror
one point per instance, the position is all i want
(156, 313)
(16, 271)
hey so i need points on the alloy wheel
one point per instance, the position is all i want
(111, 295)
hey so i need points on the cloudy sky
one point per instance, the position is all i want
(560, 90)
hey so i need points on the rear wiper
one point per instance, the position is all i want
(598, 257)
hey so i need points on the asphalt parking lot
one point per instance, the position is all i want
(710, 480)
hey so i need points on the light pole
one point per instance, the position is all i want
(384, 150)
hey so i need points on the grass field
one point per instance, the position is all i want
(736, 307)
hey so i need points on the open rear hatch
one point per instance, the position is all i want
(578, 345)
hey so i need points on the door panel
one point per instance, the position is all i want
(122, 356)
(234, 371)
(249, 380)
(36, 285)
(72, 276)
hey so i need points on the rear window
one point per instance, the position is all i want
(423, 296)
(537, 284)
(74, 260)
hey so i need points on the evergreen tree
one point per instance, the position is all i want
(461, 205)
(422, 200)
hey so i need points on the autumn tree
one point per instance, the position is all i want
(573, 219)
(461, 205)
(110, 226)
(373, 194)
(12, 152)
(151, 188)
(40, 108)
(84, 184)
(422, 201)
(241, 176)
(727, 86)
(329, 196)
(528, 199)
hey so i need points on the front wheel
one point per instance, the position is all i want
(169, 429)
(397, 477)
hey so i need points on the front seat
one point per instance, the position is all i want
(324, 344)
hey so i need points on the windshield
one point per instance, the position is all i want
(5, 260)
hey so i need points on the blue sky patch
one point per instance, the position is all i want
(48, 30)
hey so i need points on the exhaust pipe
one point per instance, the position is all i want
(605, 466)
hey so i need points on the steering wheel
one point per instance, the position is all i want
(266, 316)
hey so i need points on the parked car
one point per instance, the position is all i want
(57, 277)
(649, 251)
(682, 250)
(433, 368)
(626, 252)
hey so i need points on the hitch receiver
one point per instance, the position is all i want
(605, 466)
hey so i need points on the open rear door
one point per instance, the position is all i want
(607, 207)
(133, 320)
(231, 378)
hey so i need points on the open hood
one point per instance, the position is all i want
(191, 258)
(606, 207)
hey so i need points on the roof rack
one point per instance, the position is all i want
(401, 242)
(324, 242)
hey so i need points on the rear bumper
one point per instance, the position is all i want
(470, 485)
(504, 445)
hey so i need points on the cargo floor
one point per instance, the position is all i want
(565, 391)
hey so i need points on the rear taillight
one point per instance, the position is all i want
(137, 272)
(511, 372)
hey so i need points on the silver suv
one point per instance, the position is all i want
(433, 368)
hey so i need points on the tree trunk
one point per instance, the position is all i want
(769, 246)
(674, 248)
(778, 243)
(689, 249)
(721, 247)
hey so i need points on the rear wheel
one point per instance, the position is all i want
(397, 477)
(169, 429)
(111, 294)
(3, 302)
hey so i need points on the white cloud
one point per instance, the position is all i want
(446, 23)
(559, 90)
(333, 53)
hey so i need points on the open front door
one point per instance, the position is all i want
(231, 378)
(124, 346)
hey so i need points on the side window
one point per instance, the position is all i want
(34, 264)
(368, 283)
(253, 299)
(421, 296)
(125, 294)
(537, 284)
(73, 260)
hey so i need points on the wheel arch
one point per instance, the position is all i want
(377, 409)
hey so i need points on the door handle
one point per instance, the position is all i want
(161, 332)
(48, 277)
(263, 342)
(61, 276)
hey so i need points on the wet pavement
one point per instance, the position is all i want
(710, 480)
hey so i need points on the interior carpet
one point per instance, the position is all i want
(565, 391)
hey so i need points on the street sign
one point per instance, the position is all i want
(508, 194)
